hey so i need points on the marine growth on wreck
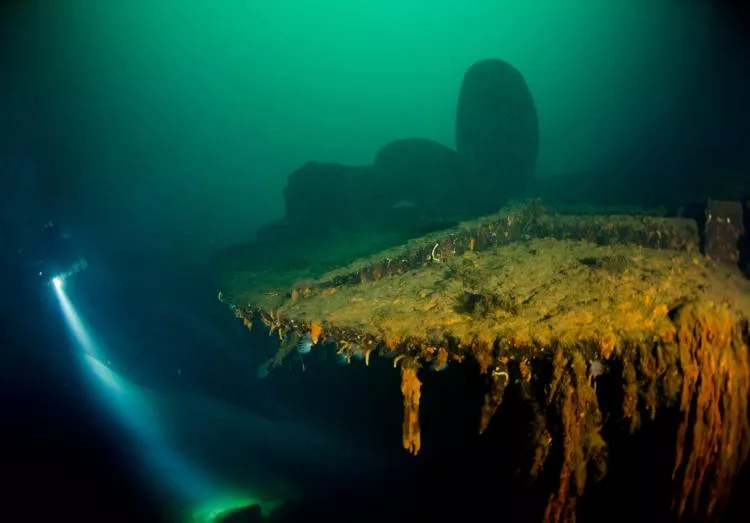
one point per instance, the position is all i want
(545, 303)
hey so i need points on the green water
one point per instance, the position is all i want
(166, 129)
(182, 119)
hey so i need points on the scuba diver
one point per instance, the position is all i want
(48, 256)
(30, 264)
(57, 259)
(32, 258)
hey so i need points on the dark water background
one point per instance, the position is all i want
(159, 132)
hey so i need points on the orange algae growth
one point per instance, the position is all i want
(630, 399)
(524, 368)
(607, 346)
(411, 391)
(714, 437)
(583, 447)
(316, 329)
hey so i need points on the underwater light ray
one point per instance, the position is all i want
(74, 321)
(134, 410)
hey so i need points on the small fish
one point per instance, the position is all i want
(305, 343)
(596, 368)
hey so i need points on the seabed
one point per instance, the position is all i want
(545, 303)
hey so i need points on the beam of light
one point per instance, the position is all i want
(80, 334)
(135, 409)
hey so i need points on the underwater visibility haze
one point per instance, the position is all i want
(206, 209)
